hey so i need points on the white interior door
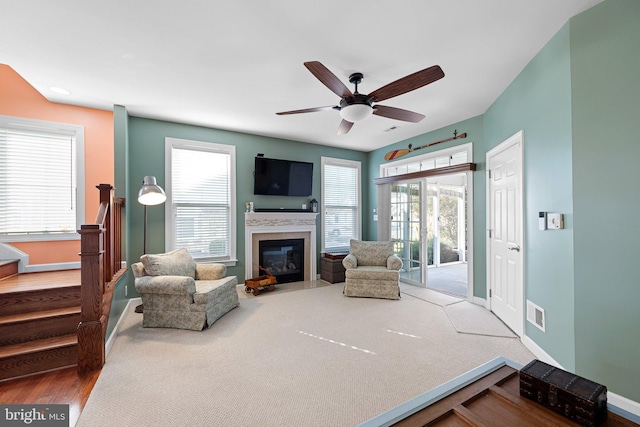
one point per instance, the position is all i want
(505, 237)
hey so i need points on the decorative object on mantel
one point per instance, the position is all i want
(399, 153)
(260, 283)
(314, 205)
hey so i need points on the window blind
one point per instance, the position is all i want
(38, 191)
(341, 210)
(201, 201)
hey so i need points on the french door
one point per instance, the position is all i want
(408, 230)
(429, 228)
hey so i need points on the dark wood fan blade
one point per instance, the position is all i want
(407, 84)
(397, 113)
(344, 127)
(307, 110)
(327, 78)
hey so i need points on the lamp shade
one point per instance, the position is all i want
(356, 112)
(151, 193)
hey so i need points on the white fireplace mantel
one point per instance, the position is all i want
(281, 223)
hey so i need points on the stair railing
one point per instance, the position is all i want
(100, 269)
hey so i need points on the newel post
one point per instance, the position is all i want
(91, 347)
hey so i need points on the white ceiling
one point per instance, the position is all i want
(234, 64)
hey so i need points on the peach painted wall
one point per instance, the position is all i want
(19, 99)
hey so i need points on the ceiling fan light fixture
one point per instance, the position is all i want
(356, 112)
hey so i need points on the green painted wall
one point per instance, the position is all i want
(538, 101)
(146, 157)
(605, 62)
(577, 102)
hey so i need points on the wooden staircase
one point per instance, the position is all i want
(39, 317)
(59, 319)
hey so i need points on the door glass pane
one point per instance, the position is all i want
(450, 198)
(442, 162)
(447, 239)
(395, 230)
(432, 201)
(428, 164)
(405, 229)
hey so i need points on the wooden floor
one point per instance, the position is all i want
(63, 386)
(494, 400)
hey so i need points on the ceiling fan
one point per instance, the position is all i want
(355, 107)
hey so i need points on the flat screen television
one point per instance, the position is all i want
(276, 177)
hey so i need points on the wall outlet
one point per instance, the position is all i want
(126, 290)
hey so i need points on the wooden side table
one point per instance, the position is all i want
(331, 269)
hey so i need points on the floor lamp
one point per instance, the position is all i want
(150, 194)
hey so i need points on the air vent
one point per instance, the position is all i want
(535, 315)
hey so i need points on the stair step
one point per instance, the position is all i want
(8, 268)
(23, 327)
(33, 300)
(36, 356)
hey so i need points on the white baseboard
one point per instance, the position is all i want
(614, 401)
(116, 329)
(539, 352)
(629, 406)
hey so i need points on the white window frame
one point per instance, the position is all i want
(346, 163)
(71, 130)
(170, 243)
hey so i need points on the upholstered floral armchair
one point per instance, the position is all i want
(372, 270)
(178, 293)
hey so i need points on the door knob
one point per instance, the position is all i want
(514, 248)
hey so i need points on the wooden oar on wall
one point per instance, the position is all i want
(398, 153)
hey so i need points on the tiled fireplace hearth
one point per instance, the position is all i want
(260, 226)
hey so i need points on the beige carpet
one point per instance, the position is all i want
(306, 358)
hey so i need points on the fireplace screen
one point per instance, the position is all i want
(283, 258)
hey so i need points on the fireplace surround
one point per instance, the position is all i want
(261, 226)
